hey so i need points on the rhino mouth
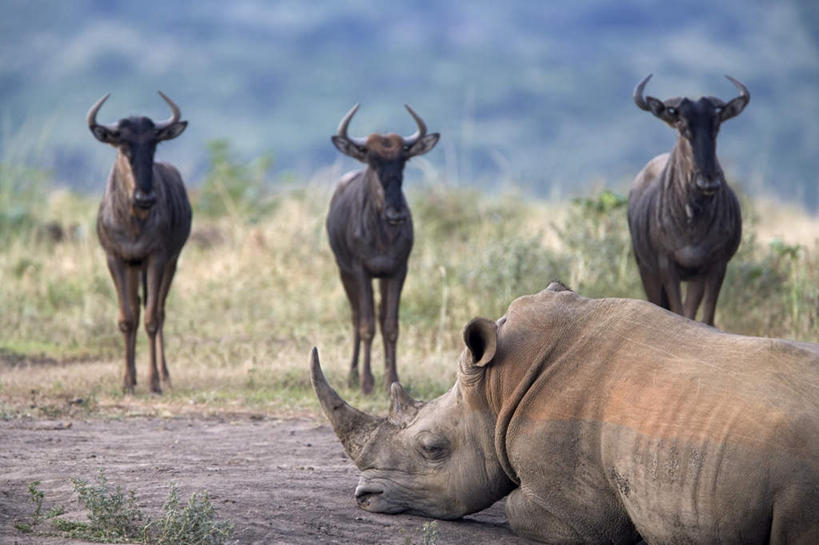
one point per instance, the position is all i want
(375, 499)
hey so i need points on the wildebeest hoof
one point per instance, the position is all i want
(367, 385)
(388, 380)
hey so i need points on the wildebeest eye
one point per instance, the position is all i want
(672, 111)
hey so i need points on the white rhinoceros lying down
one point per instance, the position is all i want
(604, 420)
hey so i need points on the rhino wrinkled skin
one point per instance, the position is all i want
(603, 421)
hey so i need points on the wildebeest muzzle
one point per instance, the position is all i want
(395, 216)
(144, 200)
(707, 186)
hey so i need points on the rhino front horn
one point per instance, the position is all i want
(352, 427)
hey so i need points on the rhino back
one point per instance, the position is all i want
(628, 411)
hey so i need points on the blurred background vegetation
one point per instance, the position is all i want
(540, 140)
(537, 94)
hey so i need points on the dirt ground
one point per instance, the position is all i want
(279, 481)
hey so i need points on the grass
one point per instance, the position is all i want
(257, 287)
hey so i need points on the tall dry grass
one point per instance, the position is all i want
(257, 287)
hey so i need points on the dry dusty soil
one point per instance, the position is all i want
(279, 481)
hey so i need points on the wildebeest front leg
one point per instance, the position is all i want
(670, 278)
(126, 280)
(693, 297)
(164, 288)
(360, 291)
(388, 318)
(366, 330)
(350, 283)
(713, 284)
(652, 285)
(154, 277)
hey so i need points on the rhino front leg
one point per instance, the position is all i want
(530, 517)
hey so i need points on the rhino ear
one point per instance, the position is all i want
(481, 339)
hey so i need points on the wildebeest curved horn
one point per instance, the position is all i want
(175, 113)
(353, 427)
(342, 128)
(743, 91)
(92, 113)
(422, 128)
(638, 94)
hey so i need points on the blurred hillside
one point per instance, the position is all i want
(533, 93)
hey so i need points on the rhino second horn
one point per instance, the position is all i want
(400, 400)
(353, 427)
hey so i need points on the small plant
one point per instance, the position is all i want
(191, 524)
(36, 495)
(112, 513)
(113, 516)
(429, 534)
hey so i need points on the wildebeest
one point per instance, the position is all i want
(144, 220)
(603, 421)
(370, 230)
(685, 221)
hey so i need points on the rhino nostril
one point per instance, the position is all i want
(363, 494)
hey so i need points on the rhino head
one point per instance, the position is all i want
(434, 459)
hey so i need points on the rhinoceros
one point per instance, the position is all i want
(602, 421)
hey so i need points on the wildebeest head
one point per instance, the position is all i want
(434, 459)
(136, 139)
(386, 155)
(697, 122)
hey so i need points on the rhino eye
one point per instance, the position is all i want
(434, 448)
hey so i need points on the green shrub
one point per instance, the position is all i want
(21, 197)
(112, 513)
(113, 516)
(191, 524)
(596, 242)
(234, 188)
